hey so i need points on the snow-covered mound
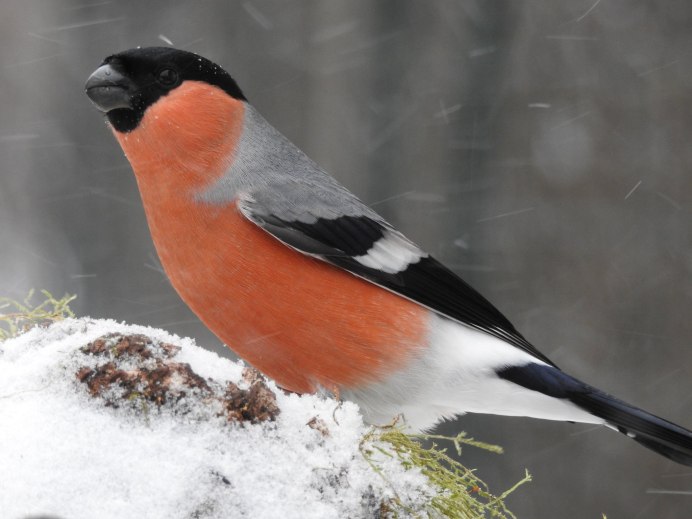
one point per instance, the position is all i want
(106, 420)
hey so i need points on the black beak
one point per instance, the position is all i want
(108, 89)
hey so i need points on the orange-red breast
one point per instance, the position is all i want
(308, 284)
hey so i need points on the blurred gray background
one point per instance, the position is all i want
(539, 147)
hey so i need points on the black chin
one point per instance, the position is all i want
(124, 120)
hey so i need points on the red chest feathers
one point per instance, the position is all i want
(297, 319)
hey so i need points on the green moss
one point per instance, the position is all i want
(19, 316)
(460, 493)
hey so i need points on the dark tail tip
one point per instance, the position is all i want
(659, 435)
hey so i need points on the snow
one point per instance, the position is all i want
(67, 453)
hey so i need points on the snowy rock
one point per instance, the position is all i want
(102, 419)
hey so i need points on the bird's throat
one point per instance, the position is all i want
(185, 141)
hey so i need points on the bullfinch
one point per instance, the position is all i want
(311, 286)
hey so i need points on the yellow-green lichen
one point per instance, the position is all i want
(19, 316)
(459, 492)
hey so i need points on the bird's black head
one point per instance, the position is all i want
(128, 83)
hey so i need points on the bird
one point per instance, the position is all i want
(311, 286)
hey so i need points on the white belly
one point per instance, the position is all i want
(456, 375)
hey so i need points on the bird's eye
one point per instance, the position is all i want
(167, 77)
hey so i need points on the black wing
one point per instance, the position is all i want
(344, 241)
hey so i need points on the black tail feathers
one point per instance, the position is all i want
(657, 434)
(666, 438)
